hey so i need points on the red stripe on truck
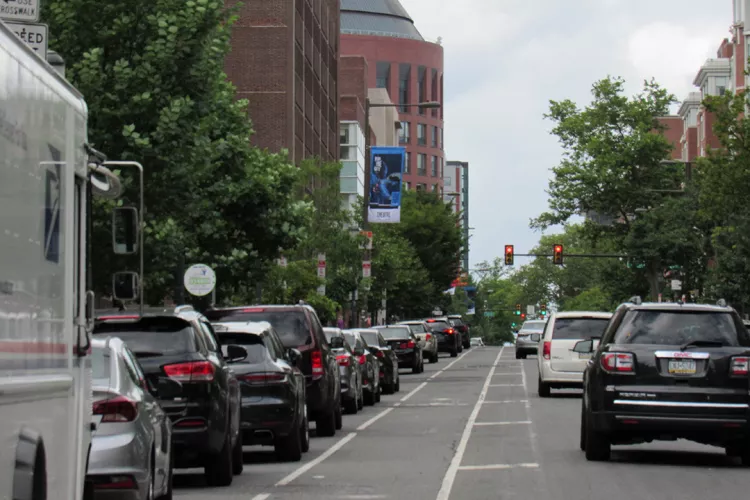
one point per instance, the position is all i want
(33, 347)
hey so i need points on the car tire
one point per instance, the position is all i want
(238, 460)
(435, 357)
(389, 388)
(518, 356)
(170, 477)
(543, 389)
(351, 406)
(305, 433)
(598, 446)
(460, 348)
(289, 448)
(416, 368)
(377, 396)
(339, 419)
(326, 424)
(218, 469)
(582, 443)
(369, 398)
(454, 353)
(397, 386)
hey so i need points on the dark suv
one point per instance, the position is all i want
(667, 371)
(449, 340)
(457, 323)
(298, 327)
(181, 345)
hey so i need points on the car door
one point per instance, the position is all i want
(227, 389)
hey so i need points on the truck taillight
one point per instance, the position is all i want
(740, 365)
(618, 362)
(547, 349)
(343, 360)
(193, 371)
(317, 362)
(117, 409)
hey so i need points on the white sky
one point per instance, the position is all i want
(504, 61)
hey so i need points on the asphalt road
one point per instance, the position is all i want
(473, 428)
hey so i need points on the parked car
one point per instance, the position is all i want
(457, 322)
(131, 442)
(389, 378)
(181, 344)
(477, 342)
(298, 327)
(666, 371)
(351, 377)
(428, 340)
(369, 367)
(448, 339)
(272, 388)
(559, 365)
(406, 346)
(528, 338)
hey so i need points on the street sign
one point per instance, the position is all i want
(34, 35)
(366, 269)
(530, 310)
(676, 285)
(199, 280)
(437, 312)
(321, 265)
(489, 314)
(20, 10)
(322, 290)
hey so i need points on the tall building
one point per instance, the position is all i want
(410, 69)
(284, 61)
(456, 193)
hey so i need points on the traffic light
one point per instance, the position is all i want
(543, 309)
(523, 315)
(557, 255)
(508, 255)
(518, 309)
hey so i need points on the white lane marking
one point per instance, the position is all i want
(525, 422)
(448, 365)
(532, 435)
(506, 385)
(499, 466)
(377, 417)
(505, 374)
(362, 497)
(413, 391)
(450, 475)
(262, 496)
(312, 463)
(506, 401)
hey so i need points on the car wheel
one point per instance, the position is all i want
(361, 398)
(369, 398)
(219, 467)
(543, 389)
(435, 357)
(583, 427)
(289, 448)
(151, 480)
(397, 387)
(170, 476)
(377, 396)
(518, 356)
(351, 406)
(460, 348)
(339, 419)
(416, 368)
(305, 433)
(598, 447)
(326, 424)
(238, 461)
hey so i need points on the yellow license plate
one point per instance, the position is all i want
(682, 366)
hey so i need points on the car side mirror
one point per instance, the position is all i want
(337, 343)
(235, 353)
(584, 347)
(125, 285)
(294, 356)
(535, 337)
(167, 388)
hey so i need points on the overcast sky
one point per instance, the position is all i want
(504, 61)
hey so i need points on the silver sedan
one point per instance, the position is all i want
(427, 340)
(131, 445)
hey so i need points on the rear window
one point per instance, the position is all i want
(456, 321)
(679, 328)
(351, 339)
(100, 364)
(395, 333)
(579, 328)
(417, 328)
(534, 326)
(290, 325)
(153, 336)
(330, 334)
(371, 339)
(438, 326)
(253, 344)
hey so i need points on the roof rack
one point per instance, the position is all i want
(636, 299)
(721, 303)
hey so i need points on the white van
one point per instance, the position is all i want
(559, 366)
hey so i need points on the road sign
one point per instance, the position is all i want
(676, 285)
(20, 10)
(437, 312)
(34, 35)
(489, 314)
(199, 280)
(322, 290)
(366, 269)
(321, 265)
(530, 310)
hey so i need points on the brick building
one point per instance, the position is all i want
(410, 69)
(284, 61)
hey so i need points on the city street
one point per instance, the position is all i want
(474, 428)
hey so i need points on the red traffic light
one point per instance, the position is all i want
(557, 254)
(523, 315)
(508, 255)
(508, 248)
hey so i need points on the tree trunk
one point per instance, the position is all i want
(653, 280)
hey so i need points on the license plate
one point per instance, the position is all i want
(682, 366)
(584, 355)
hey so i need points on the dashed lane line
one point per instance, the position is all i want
(487, 424)
(312, 463)
(499, 466)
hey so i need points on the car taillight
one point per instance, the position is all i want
(194, 371)
(450, 331)
(263, 378)
(427, 337)
(117, 409)
(115, 483)
(380, 354)
(408, 345)
(362, 359)
(547, 349)
(317, 362)
(618, 362)
(343, 360)
(740, 365)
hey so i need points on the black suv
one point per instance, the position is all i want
(299, 328)
(665, 371)
(458, 323)
(181, 344)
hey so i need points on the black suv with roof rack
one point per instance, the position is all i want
(298, 327)
(667, 371)
(180, 344)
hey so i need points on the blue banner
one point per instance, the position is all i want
(386, 167)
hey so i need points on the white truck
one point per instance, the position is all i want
(46, 177)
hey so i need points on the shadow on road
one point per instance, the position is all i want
(674, 458)
(565, 395)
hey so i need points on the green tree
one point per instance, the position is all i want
(152, 74)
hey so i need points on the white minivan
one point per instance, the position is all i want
(559, 366)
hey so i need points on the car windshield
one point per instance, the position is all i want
(153, 336)
(331, 333)
(100, 365)
(394, 332)
(680, 328)
(438, 326)
(253, 344)
(534, 326)
(290, 325)
(371, 338)
(579, 328)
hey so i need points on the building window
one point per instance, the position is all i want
(435, 188)
(407, 162)
(406, 186)
(344, 134)
(421, 134)
(434, 136)
(421, 187)
(434, 94)
(442, 168)
(721, 85)
(383, 75)
(421, 164)
(404, 134)
(434, 166)
(403, 86)
(422, 89)
(442, 139)
(347, 153)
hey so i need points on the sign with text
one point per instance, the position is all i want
(321, 265)
(33, 35)
(199, 280)
(366, 269)
(386, 166)
(20, 10)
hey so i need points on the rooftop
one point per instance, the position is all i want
(377, 17)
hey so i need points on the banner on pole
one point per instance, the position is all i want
(386, 167)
